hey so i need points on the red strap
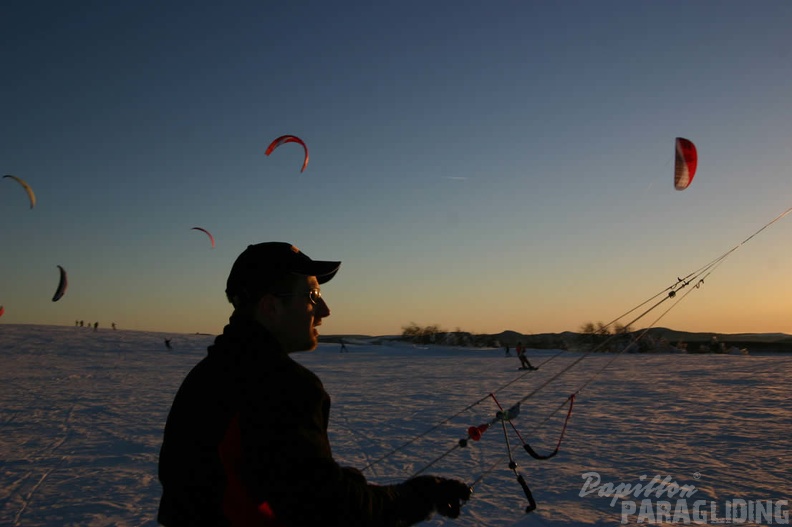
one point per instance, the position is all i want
(240, 509)
(533, 453)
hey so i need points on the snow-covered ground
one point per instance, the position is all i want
(82, 412)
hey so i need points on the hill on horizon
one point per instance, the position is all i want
(566, 339)
(509, 334)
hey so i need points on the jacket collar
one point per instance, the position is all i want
(245, 336)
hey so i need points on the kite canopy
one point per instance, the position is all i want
(686, 163)
(31, 195)
(289, 139)
(211, 238)
(62, 285)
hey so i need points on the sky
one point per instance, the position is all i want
(482, 169)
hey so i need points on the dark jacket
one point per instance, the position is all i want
(246, 444)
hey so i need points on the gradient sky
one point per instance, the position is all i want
(479, 166)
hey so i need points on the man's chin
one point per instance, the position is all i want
(309, 345)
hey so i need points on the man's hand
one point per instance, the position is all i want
(445, 496)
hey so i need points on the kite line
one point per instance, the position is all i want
(474, 433)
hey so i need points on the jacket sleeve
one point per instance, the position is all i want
(288, 463)
(333, 497)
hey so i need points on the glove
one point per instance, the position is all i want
(436, 494)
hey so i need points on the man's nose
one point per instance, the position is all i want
(322, 310)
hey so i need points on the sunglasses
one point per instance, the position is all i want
(313, 295)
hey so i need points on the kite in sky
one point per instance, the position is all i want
(289, 139)
(686, 163)
(211, 238)
(62, 285)
(31, 195)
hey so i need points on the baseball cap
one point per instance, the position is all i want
(262, 263)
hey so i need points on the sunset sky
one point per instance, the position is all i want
(479, 166)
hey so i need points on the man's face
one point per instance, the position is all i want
(300, 317)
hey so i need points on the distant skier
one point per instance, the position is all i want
(343, 347)
(168, 344)
(525, 364)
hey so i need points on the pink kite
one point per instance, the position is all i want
(211, 238)
(289, 139)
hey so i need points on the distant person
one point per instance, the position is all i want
(343, 347)
(96, 326)
(113, 325)
(168, 344)
(82, 323)
(76, 323)
(525, 364)
(246, 438)
(508, 353)
(715, 345)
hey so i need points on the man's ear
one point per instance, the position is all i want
(269, 307)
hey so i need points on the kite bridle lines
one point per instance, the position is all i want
(474, 433)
